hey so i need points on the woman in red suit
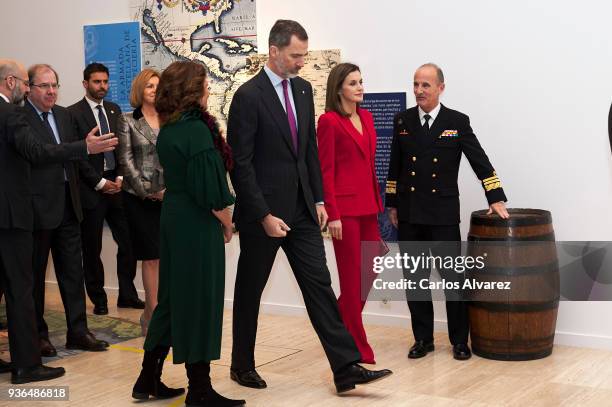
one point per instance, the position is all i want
(347, 146)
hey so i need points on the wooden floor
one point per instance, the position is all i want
(292, 362)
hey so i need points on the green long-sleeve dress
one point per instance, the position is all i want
(189, 314)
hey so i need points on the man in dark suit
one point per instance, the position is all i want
(277, 179)
(100, 196)
(610, 126)
(57, 213)
(18, 147)
(423, 198)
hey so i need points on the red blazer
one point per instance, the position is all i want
(350, 187)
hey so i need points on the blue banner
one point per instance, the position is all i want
(384, 107)
(118, 47)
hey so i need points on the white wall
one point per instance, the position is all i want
(533, 76)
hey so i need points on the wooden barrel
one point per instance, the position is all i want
(517, 323)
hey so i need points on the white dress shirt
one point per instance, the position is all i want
(434, 113)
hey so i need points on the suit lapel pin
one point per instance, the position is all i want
(112, 111)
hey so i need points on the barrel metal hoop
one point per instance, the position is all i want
(505, 307)
(512, 356)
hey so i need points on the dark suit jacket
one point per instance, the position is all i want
(48, 184)
(18, 147)
(347, 164)
(610, 126)
(90, 171)
(423, 171)
(267, 174)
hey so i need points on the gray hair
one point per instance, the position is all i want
(439, 72)
(34, 69)
(282, 31)
(8, 67)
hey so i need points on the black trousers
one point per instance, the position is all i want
(419, 301)
(16, 279)
(64, 242)
(304, 248)
(109, 208)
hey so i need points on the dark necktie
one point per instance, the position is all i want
(426, 124)
(290, 116)
(109, 157)
(45, 117)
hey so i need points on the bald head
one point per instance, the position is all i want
(13, 80)
(428, 86)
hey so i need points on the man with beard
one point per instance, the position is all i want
(57, 214)
(100, 196)
(277, 178)
(18, 147)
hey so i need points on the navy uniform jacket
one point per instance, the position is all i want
(423, 171)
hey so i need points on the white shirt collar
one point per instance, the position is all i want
(274, 78)
(434, 113)
(93, 104)
(4, 97)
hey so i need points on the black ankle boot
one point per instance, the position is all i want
(200, 391)
(149, 382)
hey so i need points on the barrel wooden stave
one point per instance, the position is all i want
(521, 324)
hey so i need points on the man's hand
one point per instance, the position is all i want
(393, 216)
(110, 187)
(321, 215)
(500, 209)
(119, 182)
(274, 227)
(335, 229)
(100, 144)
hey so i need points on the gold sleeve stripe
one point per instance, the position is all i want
(493, 178)
(492, 186)
(389, 182)
(390, 189)
(492, 181)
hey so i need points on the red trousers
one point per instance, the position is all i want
(355, 229)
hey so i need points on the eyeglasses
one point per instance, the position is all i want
(46, 86)
(18, 78)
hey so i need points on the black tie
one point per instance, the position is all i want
(45, 117)
(426, 124)
(109, 157)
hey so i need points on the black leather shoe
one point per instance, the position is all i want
(100, 309)
(248, 378)
(135, 303)
(5, 367)
(420, 349)
(354, 374)
(36, 374)
(46, 348)
(461, 351)
(86, 342)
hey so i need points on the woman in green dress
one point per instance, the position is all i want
(195, 223)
